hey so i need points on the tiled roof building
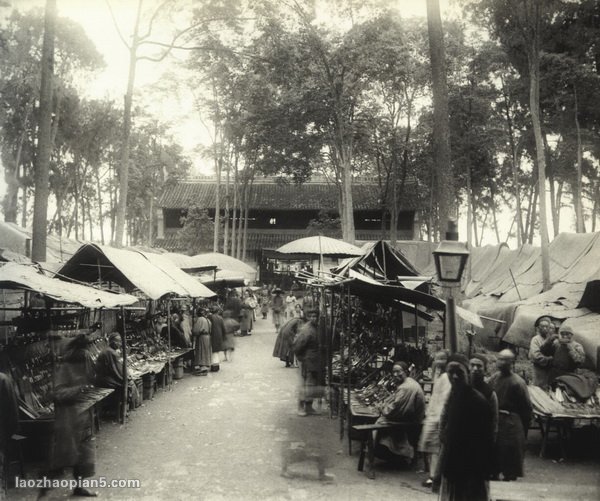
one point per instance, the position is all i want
(280, 213)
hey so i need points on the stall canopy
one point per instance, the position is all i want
(223, 278)
(129, 269)
(210, 260)
(320, 245)
(362, 286)
(18, 276)
(379, 261)
(193, 286)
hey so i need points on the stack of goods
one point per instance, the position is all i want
(31, 368)
(377, 392)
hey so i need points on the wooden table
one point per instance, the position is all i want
(367, 444)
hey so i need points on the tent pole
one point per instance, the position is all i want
(349, 407)
(329, 352)
(168, 368)
(124, 354)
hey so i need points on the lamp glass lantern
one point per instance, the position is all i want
(450, 260)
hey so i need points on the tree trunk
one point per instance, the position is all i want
(554, 209)
(150, 234)
(226, 225)
(25, 206)
(469, 221)
(100, 212)
(514, 165)
(235, 204)
(578, 189)
(217, 207)
(534, 103)
(444, 184)
(44, 147)
(128, 103)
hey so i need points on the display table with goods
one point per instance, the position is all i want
(559, 410)
(371, 337)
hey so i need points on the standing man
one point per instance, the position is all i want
(73, 443)
(306, 349)
(202, 344)
(9, 421)
(277, 307)
(217, 334)
(539, 348)
(466, 436)
(478, 366)
(429, 441)
(514, 416)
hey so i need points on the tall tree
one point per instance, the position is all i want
(444, 186)
(40, 208)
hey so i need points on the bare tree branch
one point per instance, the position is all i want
(112, 15)
(152, 19)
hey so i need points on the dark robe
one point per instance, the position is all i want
(177, 336)
(109, 369)
(285, 338)
(467, 446)
(234, 305)
(9, 420)
(217, 332)
(73, 441)
(306, 349)
(513, 421)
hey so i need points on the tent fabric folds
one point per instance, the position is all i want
(17, 276)
(133, 270)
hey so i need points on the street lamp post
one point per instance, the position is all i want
(450, 259)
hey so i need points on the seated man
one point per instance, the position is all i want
(405, 405)
(109, 367)
(568, 355)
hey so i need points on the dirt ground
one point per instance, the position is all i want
(224, 437)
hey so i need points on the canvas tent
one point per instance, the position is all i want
(22, 277)
(379, 261)
(94, 263)
(512, 291)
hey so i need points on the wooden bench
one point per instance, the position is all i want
(526, 491)
(367, 443)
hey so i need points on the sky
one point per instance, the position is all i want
(174, 107)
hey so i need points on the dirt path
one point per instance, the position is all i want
(221, 437)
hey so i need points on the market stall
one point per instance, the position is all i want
(40, 316)
(162, 288)
(556, 412)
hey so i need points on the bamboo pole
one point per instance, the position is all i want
(124, 353)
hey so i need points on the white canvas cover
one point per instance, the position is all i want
(17, 276)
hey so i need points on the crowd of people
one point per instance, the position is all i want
(473, 428)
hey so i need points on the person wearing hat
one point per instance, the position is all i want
(567, 355)
(406, 405)
(466, 433)
(540, 351)
(514, 414)
(73, 444)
